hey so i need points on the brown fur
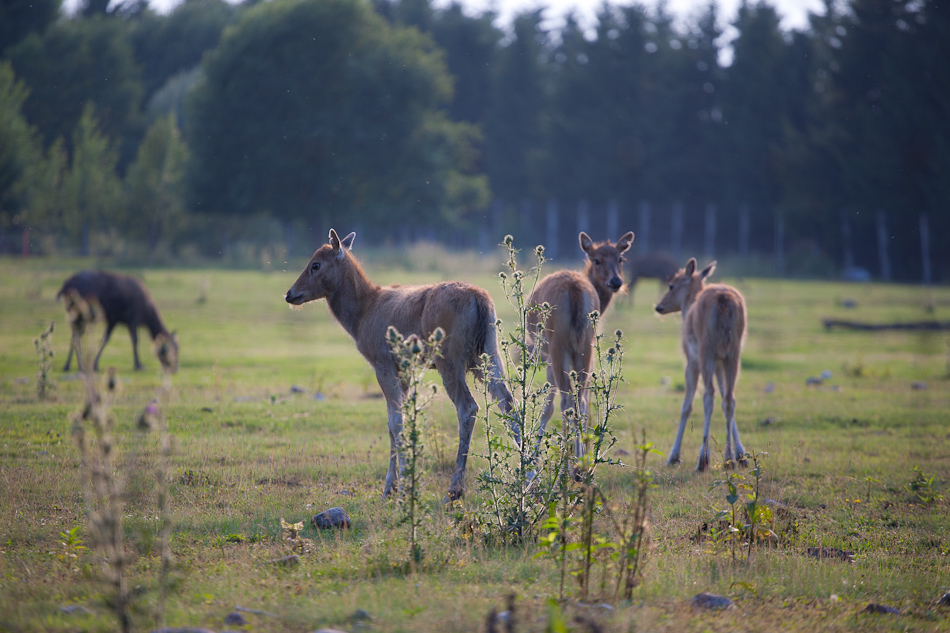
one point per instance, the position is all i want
(568, 332)
(125, 300)
(366, 310)
(714, 320)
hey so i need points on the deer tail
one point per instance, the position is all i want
(726, 323)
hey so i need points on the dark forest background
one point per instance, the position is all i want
(172, 138)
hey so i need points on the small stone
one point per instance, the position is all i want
(290, 561)
(830, 553)
(767, 422)
(814, 380)
(770, 387)
(235, 619)
(329, 631)
(880, 608)
(825, 375)
(345, 493)
(944, 601)
(360, 615)
(332, 518)
(181, 629)
(918, 385)
(712, 601)
(296, 389)
(75, 609)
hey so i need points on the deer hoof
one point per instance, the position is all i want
(452, 497)
(673, 460)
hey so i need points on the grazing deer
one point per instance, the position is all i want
(567, 343)
(121, 299)
(714, 319)
(652, 265)
(365, 310)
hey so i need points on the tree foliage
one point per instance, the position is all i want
(317, 109)
(19, 148)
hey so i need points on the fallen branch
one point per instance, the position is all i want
(874, 327)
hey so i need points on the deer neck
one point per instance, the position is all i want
(689, 301)
(154, 322)
(604, 295)
(352, 298)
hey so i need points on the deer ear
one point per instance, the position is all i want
(625, 242)
(347, 242)
(690, 267)
(587, 244)
(708, 270)
(335, 244)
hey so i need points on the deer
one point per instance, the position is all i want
(465, 313)
(659, 266)
(118, 299)
(714, 320)
(568, 332)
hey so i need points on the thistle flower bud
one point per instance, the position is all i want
(509, 240)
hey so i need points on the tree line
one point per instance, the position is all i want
(123, 127)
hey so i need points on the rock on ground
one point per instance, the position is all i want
(712, 601)
(332, 518)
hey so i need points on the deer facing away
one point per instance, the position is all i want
(568, 334)
(714, 319)
(365, 310)
(121, 299)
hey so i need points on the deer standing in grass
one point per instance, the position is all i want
(568, 338)
(714, 319)
(121, 299)
(365, 310)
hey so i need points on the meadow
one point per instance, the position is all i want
(275, 416)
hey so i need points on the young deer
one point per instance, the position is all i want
(714, 319)
(567, 343)
(365, 310)
(125, 300)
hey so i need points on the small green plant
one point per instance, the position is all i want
(45, 385)
(72, 546)
(414, 356)
(586, 529)
(922, 487)
(752, 520)
(869, 480)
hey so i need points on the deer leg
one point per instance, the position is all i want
(729, 455)
(502, 395)
(134, 335)
(728, 391)
(392, 391)
(709, 403)
(692, 376)
(105, 339)
(465, 406)
(69, 356)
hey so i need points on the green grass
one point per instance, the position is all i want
(249, 452)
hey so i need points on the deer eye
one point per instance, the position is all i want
(315, 266)
(597, 261)
(671, 286)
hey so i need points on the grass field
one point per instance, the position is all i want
(249, 451)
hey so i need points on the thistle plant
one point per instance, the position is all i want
(523, 464)
(153, 418)
(414, 356)
(92, 431)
